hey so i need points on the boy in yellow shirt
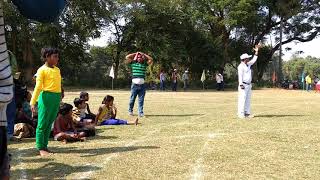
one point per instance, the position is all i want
(48, 93)
(308, 82)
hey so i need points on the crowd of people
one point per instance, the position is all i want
(185, 78)
(43, 114)
(71, 123)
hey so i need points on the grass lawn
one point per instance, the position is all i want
(189, 135)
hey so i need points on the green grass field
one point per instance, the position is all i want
(189, 135)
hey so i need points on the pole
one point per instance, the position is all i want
(112, 84)
(280, 76)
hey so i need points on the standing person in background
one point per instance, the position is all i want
(219, 81)
(244, 88)
(222, 82)
(48, 90)
(185, 78)
(174, 78)
(162, 80)
(315, 82)
(138, 62)
(308, 82)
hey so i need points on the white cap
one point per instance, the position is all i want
(245, 56)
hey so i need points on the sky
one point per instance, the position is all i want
(311, 48)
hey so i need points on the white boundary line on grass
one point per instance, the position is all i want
(197, 168)
(88, 174)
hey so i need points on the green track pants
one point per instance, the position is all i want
(48, 107)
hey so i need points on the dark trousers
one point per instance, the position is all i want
(220, 86)
(174, 86)
(162, 85)
(11, 114)
(4, 158)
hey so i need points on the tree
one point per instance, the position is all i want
(249, 22)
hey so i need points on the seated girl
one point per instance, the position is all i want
(64, 129)
(23, 130)
(107, 114)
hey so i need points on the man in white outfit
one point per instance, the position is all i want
(244, 89)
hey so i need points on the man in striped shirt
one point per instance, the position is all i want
(138, 63)
(6, 94)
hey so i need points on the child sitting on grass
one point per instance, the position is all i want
(89, 114)
(79, 112)
(81, 122)
(64, 129)
(23, 130)
(107, 114)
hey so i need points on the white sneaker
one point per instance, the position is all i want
(131, 113)
(241, 116)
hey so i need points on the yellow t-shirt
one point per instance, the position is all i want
(308, 80)
(48, 79)
(105, 114)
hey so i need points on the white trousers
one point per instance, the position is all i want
(244, 100)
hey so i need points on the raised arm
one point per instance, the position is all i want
(130, 57)
(149, 59)
(255, 57)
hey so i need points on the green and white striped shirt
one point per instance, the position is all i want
(138, 69)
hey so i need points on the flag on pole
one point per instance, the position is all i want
(203, 76)
(111, 74)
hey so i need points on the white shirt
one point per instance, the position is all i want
(138, 81)
(244, 71)
(162, 77)
(185, 77)
(218, 78)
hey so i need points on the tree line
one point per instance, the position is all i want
(182, 34)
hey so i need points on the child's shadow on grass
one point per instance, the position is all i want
(173, 115)
(23, 140)
(54, 170)
(31, 152)
(103, 151)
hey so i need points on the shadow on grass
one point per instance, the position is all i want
(53, 170)
(97, 137)
(172, 115)
(102, 129)
(58, 151)
(279, 115)
(23, 140)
